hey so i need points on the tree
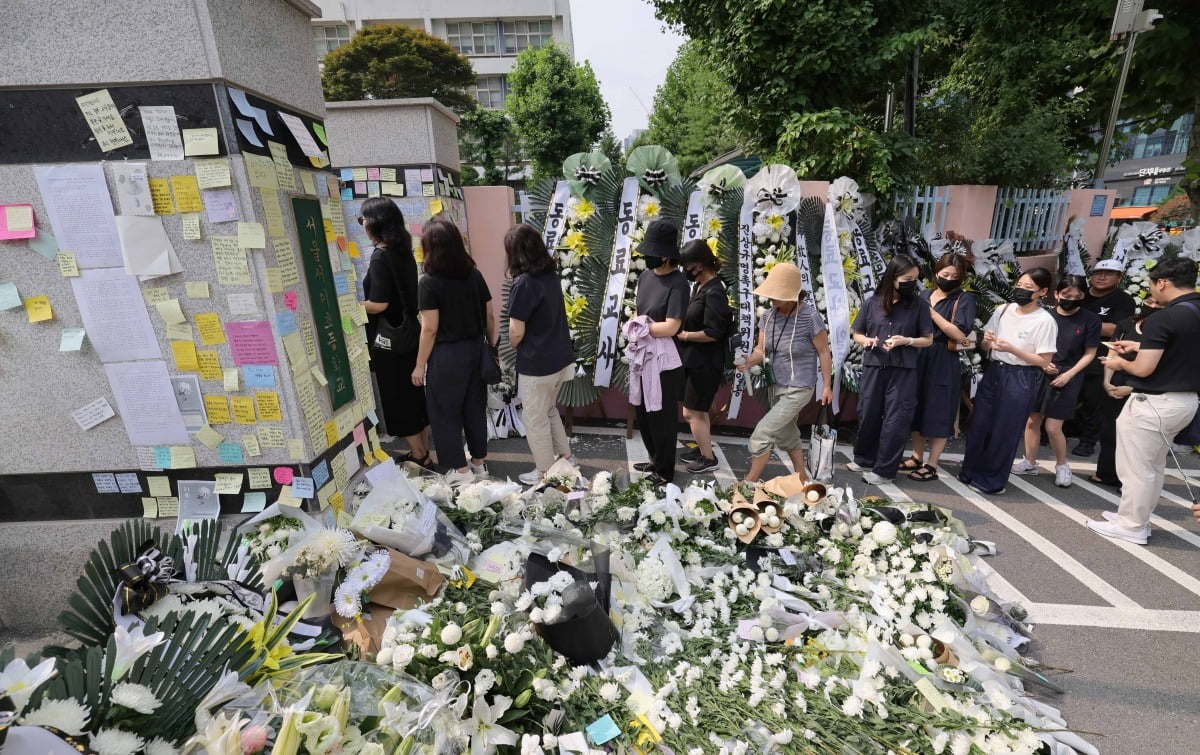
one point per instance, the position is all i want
(482, 137)
(609, 145)
(385, 62)
(556, 107)
(690, 115)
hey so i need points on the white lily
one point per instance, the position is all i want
(19, 682)
(131, 645)
(486, 734)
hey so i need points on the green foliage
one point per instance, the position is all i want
(690, 115)
(387, 62)
(555, 106)
(486, 140)
(1177, 210)
(610, 146)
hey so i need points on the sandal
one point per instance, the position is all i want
(924, 473)
(424, 462)
(911, 464)
(1101, 481)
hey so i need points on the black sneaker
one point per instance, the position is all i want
(702, 465)
(1083, 448)
(643, 466)
(690, 455)
(657, 480)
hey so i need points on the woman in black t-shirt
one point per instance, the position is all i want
(390, 292)
(454, 315)
(702, 347)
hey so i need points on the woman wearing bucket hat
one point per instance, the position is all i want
(662, 297)
(792, 340)
(702, 347)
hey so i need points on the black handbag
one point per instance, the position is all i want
(397, 339)
(489, 356)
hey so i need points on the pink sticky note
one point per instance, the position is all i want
(289, 300)
(283, 475)
(17, 222)
(251, 342)
(372, 174)
(360, 435)
(360, 187)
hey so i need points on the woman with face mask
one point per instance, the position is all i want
(706, 327)
(1116, 393)
(892, 326)
(939, 370)
(1078, 339)
(1022, 338)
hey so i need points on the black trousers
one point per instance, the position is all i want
(1106, 462)
(1088, 415)
(457, 401)
(887, 400)
(660, 429)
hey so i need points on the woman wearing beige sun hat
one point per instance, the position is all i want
(792, 340)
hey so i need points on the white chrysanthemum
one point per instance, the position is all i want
(68, 716)
(346, 600)
(137, 697)
(115, 742)
(333, 546)
(160, 746)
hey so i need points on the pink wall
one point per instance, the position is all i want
(969, 210)
(818, 189)
(1096, 230)
(489, 216)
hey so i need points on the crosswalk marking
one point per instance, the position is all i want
(1156, 520)
(723, 473)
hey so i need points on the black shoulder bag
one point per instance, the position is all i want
(489, 357)
(397, 339)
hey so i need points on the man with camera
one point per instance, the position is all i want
(1164, 372)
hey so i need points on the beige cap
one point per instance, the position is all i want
(782, 283)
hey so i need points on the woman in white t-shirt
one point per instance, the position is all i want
(1022, 338)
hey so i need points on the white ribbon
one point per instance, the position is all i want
(802, 260)
(837, 305)
(745, 317)
(692, 228)
(1073, 241)
(556, 214)
(610, 318)
(1120, 252)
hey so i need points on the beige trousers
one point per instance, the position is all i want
(778, 426)
(539, 411)
(1144, 428)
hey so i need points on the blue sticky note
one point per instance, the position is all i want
(347, 195)
(162, 457)
(258, 375)
(371, 415)
(285, 323)
(253, 502)
(348, 262)
(9, 298)
(231, 453)
(602, 730)
(302, 487)
(44, 244)
(320, 474)
(339, 284)
(72, 339)
(346, 174)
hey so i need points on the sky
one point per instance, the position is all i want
(629, 49)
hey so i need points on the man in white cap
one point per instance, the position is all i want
(1106, 298)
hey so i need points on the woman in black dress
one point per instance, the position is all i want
(939, 369)
(390, 290)
(702, 347)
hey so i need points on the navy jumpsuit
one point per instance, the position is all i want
(939, 370)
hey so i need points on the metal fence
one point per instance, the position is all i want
(1032, 219)
(926, 204)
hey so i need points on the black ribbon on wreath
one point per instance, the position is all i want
(589, 176)
(145, 579)
(717, 190)
(654, 176)
(775, 195)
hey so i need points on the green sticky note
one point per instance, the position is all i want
(44, 244)
(72, 339)
(319, 129)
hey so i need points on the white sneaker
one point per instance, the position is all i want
(479, 470)
(1113, 516)
(871, 478)
(1117, 532)
(454, 478)
(1062, 476)
(532, 477)
(855, 467)
(1025, 467)
(1181, 448)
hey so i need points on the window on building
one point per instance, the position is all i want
(490, 91)
(1183, 132)
(1145, 196)
(328, 38)
(520, 35)
(473, 37)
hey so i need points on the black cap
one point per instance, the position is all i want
(660, 240)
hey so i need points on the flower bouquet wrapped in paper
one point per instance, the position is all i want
(399, 516)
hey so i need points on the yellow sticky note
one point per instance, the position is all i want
(149, 508)
(260, 478)
(243, 411)
(295, 449)
(191, 227)
(182, 457)
(155, 295)
(380, 454)
(319, 376)
(212, 174)
(283, 166)
(228, 483)
(261, 171)
(105, 120)
(272, 214)
(185, 356)
(197, 289)
(271, 437)
(329, 234)
(209, 436)
(67, 266)
(211, 332)
(352, 249)
(217, 409)
(210, 365)
(435, 207)
(232, 378)
(170, 311)
(286, 498)
(199, 141)
(38, 309)
(331, 433)
(268, 406)
(168, 506)
(160, 195)
(180, 331)
(251, 236)
(306, 180)
(274, 280)
(251, 444)
(159, 486)
(187, 194)
(19, 217)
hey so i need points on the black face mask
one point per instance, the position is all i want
(907, 289)
(1022, 296)
(1070, 305)
(947, 284)
(653, 262)
(1145, 312)
(690, 273)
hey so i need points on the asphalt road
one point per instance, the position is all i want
(1116, 619)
